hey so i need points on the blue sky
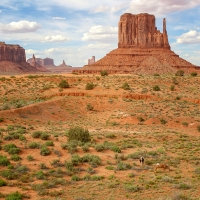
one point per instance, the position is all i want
(75, 30)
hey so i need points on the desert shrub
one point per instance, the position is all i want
(97, 78)
(183, 186)
(49, 143)
(70, 146)
(44, 136)
(110, 167)
(2, 183)
(172, 87)
(43, 166)
(85, 147)
(75, 178)
(36, 134)
(34, 145)
(104, 73)
(163, 121)
(44, 151)
(123, 166)
(100, 147)
(63, 84)
(22, 138)
(14, 196)
(8, 137)
(91, 159)
(79, 134)
(89, 86)
(75, 159)
(126, 86)
(140, 119)
(156, 88)
(115, 149)
(1, 119)
(69, 166)
(156, 74)
(21, 169)
(111, 135)
(198, 128)
(40, 175)
(11, 148)
(132, 188)
(197, 170)
(193, 74)
(4, 161)
(30, 158)
(15, 157)
(179, 73)
(185, 123)
(89, 107)
(8, 174)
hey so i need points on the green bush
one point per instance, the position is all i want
(49, 143)
(36, 134)
(40, 175)
(156, 88)
(179, 73)
(15, 157)
(89, 86)
(75, 178)
(100, 147)
(126, 86)
(163, 121)
(123, 166)
(34, 145)
(172, 87)
(44, 151)
(4, 161)
(115, 149)
(2, 183)
(1, 119)
(193, 74)
(91, 159)
(14, 196)
(8, 174)
(44, 136)
(30, 158)
(11, 149)
(104, 73)
(63, 84)
(79, 134)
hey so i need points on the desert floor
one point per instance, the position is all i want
(127, 116)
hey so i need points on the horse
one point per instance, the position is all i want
(162, 166)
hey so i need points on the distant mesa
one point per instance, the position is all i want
(142, 49)
(91, 61)
(48, 63)
(13, 60)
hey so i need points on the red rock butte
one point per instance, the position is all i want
(142, 49)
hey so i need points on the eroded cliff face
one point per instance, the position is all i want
(140, 31)
(13, 53)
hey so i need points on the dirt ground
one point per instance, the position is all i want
(127, 116)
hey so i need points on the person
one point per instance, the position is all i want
(141, 160)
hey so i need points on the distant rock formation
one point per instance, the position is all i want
(64, 65)
(91, 61)
(13, 59)
(37, 66)
(142, 49)
(46, 62)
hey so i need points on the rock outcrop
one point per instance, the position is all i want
(142, 49)
(13, 60)
(91, 61)
(46, 62)
(13, 53)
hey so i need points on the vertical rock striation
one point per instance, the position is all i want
(140, 31)
(13, 53)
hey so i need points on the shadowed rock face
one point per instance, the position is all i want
(142, 49)
(140, 31)
(13, 53)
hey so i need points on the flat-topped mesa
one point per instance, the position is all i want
(140, 31)
(13, 53)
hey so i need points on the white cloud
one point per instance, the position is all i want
(20, 27)
(100, 32)
(56, 38)
(191, 37)
(160, 7)
(101, 9)
(98, 46)
(59, 18)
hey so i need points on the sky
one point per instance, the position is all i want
(76, 30)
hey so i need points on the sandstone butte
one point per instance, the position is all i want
(142, 49)
(13, 60)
